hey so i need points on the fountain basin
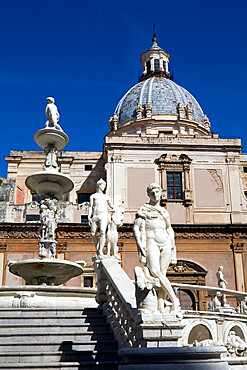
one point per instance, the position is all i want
(45, 297)
(45, 271)
(49, 183)
(48, 136)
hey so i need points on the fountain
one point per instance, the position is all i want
(50, 185)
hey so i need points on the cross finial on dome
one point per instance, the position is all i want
(154, 39)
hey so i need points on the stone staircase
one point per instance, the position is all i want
(56, 339)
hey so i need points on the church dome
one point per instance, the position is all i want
(157, 105)
(164, 96)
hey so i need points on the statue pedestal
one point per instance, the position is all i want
(48, 136)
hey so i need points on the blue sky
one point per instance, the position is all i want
(86, 54)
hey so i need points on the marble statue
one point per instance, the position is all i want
(235, 345)
(155, 243)
(242, 308)
(52, 113)
(48, 224)
(98, 216)
(51, 158)
(221, 284)
(149, 294)
(207, 342)
(220, 278)
(215, 302)
(116, 220)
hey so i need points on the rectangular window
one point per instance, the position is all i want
(88, 167)
(88, 281)
(164, 66)
(174, 185)
(245, 169)
(84, 220)
(32, 218)
(156, 65)
(83, 197)
(35, 198)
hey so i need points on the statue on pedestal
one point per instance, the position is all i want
(221, 284)
(156, 246)
(48, 224)
(116, 220)
(52, 113)
(98, 217)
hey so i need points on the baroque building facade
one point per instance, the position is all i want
(158, 133)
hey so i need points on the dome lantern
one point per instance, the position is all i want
(155, 61)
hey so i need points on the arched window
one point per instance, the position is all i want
(199, 332)
(187, 300)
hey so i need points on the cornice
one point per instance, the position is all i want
(231, 232)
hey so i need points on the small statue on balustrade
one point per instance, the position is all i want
(116, 220)
(221, 284)
(156, 247)
(242, 308)
(98, 216)
(215, 302)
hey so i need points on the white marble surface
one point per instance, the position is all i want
(156, 245)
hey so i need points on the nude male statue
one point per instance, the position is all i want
(52, 113)
(98, 215)
(155, 241)
(220, 277)
(221, 284)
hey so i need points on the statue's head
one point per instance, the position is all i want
(101, 184)
(220, 268)
(50, 100)
(154, 191)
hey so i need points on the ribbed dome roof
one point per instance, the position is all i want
(164, 96)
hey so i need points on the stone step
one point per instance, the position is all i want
(58, 346)
(60, 356)
(23, 329)
(106, 365)
(43, 312)
(62, 336)
(50, 320)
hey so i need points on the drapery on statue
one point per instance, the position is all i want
(98, 216)
(52, 113)
(155, 243)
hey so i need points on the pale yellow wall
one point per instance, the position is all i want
(209, 188)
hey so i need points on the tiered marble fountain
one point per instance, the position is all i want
(51, 185)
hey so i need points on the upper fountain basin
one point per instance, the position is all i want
(48, 136)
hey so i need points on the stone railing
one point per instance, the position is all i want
(214, 292)
(131, 327)
(116, 294)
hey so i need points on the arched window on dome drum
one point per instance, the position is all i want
(156, 65)
(164, 66)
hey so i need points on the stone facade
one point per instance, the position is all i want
(158, 133)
